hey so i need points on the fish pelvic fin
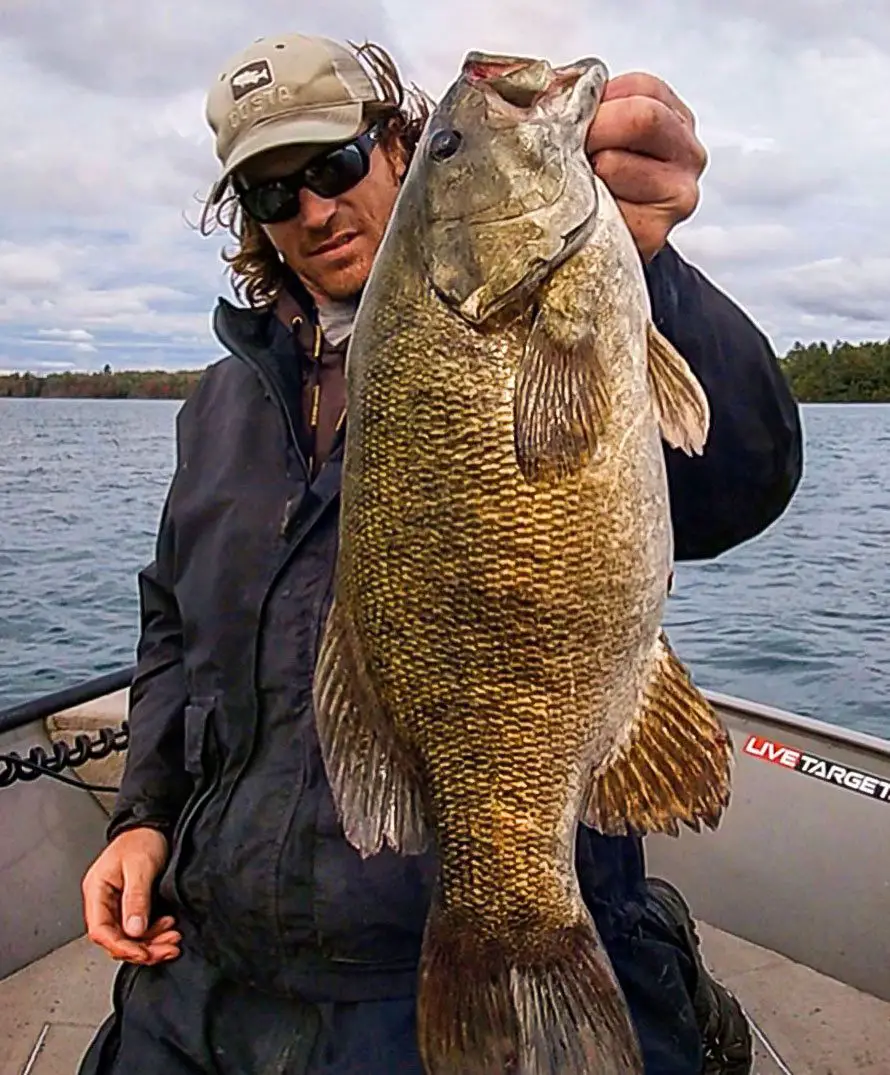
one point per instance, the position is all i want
(680, 403)
(551, 1006)
(372, 773)
(675, 766)
(561, 404)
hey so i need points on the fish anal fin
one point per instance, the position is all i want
(561, 403)
(372, 774)
(680, 403)
(675, 765)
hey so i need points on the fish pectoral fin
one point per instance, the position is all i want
(679, 400)
(676, 764)
(372, 774)
(561, 403)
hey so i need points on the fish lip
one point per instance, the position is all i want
(491, 74)
(475, 312)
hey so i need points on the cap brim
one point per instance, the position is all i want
(337, 124)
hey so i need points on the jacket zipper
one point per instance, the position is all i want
(189, 816)
(272, 391)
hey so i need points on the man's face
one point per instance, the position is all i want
(332, 242)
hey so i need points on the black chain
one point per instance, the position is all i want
(64, 755)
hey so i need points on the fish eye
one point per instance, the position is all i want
(444, 144)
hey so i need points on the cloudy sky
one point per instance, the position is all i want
(104, 151)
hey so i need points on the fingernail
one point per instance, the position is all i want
(135, 925)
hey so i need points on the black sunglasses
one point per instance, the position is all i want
(328, 175)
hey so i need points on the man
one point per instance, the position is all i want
(254, 938)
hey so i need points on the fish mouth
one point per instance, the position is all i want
(523, 83)
(482, 305)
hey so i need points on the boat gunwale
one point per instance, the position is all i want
(783, 718)
(83, 697)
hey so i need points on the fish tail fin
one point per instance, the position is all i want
(551, 1006)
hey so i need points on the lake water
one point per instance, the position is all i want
(798, 618)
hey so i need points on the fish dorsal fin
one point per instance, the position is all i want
(680, 403)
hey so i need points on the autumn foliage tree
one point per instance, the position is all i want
(124, 384)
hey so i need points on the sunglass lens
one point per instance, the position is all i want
(336, 172)
(270, 202)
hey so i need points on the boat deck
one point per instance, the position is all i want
(817, 1026)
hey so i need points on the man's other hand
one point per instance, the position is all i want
(117, 899)
(642, 144)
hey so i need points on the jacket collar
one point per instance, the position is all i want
(243, 330)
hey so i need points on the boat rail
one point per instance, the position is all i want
(47, 705)
(64, 755)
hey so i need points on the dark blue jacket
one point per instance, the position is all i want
(223, 754)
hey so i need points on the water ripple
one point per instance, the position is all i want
(799, 617)
(81, 491)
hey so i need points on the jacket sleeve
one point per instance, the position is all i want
(753, 459)
(155, 784)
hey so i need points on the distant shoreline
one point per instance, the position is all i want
(122, 384)
(817, 373)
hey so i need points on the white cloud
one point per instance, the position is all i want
(731, 243)
(105, 147)
(24, 269)
(70, 335)
(54, 367)
(854, 288)
(765, 176)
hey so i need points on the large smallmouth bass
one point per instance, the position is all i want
(493, 669)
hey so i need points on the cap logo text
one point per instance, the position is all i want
(252, 76)
(260, 105)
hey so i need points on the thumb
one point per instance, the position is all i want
(139, 874)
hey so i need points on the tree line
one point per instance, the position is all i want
(840, 373)
(104, 384)
(818, 373)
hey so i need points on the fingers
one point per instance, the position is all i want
(648, 182)
(648, 127)
(641, 84)
(161, 942)
(642, 144)
(161, 954)
(159, 928)
(101, 911)
(139, 874)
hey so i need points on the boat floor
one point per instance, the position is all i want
(818, 1026)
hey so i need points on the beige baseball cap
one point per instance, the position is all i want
(281, 91)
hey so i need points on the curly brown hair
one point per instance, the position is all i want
(254, 265)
